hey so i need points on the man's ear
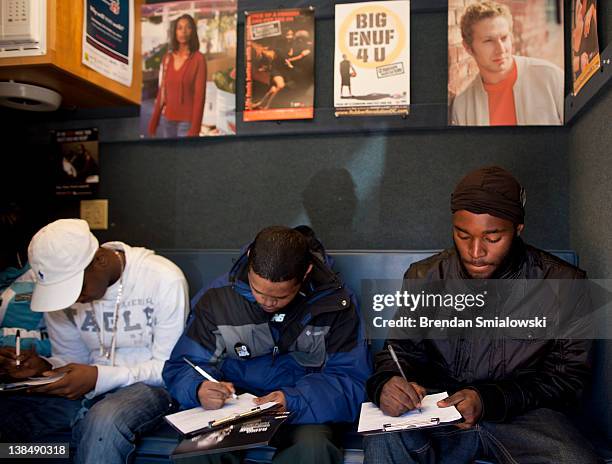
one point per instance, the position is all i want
(307, 271)
(519, 229)
(100, 259)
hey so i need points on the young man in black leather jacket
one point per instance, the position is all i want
(510, 392)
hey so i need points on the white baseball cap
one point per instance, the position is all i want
(59, 254)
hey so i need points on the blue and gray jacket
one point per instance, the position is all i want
(313, 350)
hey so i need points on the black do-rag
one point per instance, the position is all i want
(490, 190)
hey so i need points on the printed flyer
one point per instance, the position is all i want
(279, 65)
(108, 37)
(78, 165)
(372, 58)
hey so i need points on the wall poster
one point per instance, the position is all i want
(372, 58)
(585, 44)
(77, 161)
(188, 69)
(505, 63)
(108, 38)
(279, 59)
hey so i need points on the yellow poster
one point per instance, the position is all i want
(372, 58)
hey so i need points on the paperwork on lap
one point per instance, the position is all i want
(199, 419)
(31, 382)
(373, 420)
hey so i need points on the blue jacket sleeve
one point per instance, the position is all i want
(200, 344)
(335, 393)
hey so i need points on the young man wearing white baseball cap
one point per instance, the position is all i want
(114, 313)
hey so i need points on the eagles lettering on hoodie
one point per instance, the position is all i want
(151, 317)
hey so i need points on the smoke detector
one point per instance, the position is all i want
(28, 97)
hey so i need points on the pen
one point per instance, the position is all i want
(399, 366)
(205, 374)
(235, 417)
(18, 348)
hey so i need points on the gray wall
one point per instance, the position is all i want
(591, 187)
(590, 162)
(359, 191)
(591, 226)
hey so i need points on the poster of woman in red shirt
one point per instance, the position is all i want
(189, 59)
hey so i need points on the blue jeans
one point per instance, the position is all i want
(539, 436)
(103, 429)
(173, 129)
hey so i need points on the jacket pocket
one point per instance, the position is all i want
(309, 348)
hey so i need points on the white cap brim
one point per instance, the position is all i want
(61, 295)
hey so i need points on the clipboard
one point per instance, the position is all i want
(233, 418)
(411, 425)
(373, 421)
(198, 420)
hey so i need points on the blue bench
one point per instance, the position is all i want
(202, 266)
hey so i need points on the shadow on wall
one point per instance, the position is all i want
(330, 202)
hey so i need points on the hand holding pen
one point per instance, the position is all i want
(9, 356)
(26, 364)
(398, 394)
(212, 394)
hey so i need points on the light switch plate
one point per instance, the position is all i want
(95, 212)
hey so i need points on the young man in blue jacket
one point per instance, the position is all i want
(282, 326)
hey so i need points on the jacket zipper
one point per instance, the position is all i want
(274, 353)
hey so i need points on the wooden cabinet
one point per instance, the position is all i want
(61, 69)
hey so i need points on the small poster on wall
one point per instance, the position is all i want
(108, 38)
(505, 63)
(372, 58)
(279, 65)
(188, 69)
(585, 44)
(77, 161)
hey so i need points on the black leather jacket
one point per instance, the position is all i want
(512, 376)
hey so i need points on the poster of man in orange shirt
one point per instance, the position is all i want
(188, 69)
(506, 63)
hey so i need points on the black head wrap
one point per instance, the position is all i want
(491, 190)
